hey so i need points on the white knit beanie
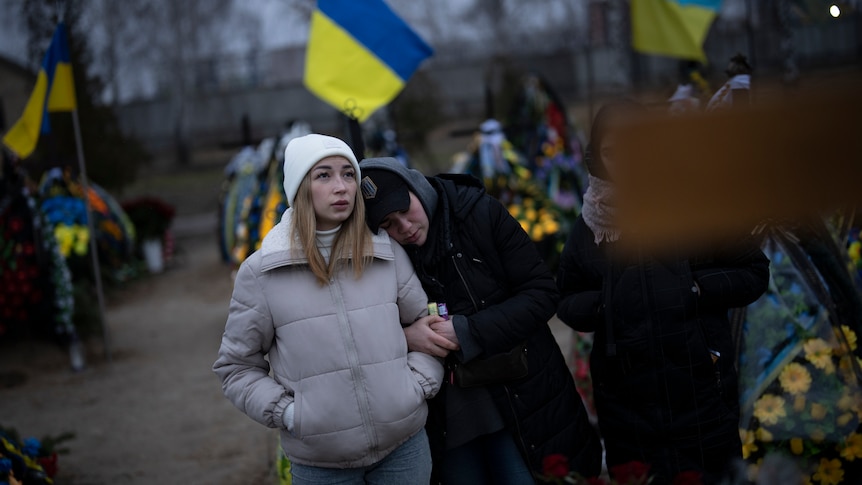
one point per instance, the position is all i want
(304, 152)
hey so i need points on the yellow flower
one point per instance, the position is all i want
(850, 335)
(748, 443)
(515, 210)
(82, 239)
(795, 378)
(817, 435)
(764, 435)
(530, 214)
(525, 226)
(796, 446)
(65, 238)
(551, 227)
(855, 251)
(818, 411)
(799, 403)
(845, 365)
(852, 448)
(829, 472)
(819, 353)
(537, 233)
(769, 408)
(848, 402)
(845, 418)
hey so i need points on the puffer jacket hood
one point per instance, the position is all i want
(458, 195)
(335, 351)
(464, 192)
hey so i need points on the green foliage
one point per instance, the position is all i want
(49, 443)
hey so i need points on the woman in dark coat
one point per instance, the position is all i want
(473, 256)
(662, 363)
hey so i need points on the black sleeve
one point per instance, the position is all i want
(580, 295)
(533, 299)
(734, 279)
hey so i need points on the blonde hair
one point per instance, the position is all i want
(353, 241)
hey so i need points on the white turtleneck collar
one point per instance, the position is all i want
(325, 239)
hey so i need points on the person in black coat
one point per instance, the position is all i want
(509, 400)
(663, 363)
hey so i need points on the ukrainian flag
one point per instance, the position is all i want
(360, 54)
(673, 28)
(54, 91)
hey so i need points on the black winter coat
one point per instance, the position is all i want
(663, 363)
(484, 266)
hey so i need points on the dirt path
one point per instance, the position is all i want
(156, 413)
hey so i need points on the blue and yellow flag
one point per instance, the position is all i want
(360, 54)
(673, 28)
(54, 91)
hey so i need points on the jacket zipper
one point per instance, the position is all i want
(452, 366)
(521, 445)
(353, 360)
(466, 286)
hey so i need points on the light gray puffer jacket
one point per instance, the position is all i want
(337, 352)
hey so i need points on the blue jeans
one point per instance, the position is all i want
(409, 464)
(490, 459)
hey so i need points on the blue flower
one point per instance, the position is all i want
(5, 467)
(31, 447)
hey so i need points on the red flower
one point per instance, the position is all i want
(16, 224)
(555, 466)
(596, 481)
(49, 464)
(691, 477)
(631, 473)
(581, 369)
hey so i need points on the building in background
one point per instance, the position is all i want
(582, 48)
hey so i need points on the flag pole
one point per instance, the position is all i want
(354, 133)
(91, 227)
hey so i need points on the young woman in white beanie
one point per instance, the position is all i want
(313, 343)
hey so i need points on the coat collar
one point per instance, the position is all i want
(279, 249)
